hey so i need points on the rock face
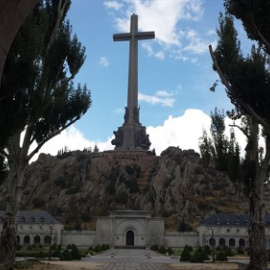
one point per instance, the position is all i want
(81, 185)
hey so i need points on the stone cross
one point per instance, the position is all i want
(133, 37)
(132, 135)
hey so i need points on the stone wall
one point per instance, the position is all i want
(79, 238)
(180, 239)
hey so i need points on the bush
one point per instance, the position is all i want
(162, 250)
(98, 248)
(154, 247)
(66, 255)
(240, 250)
(227, 250)
(268, 255)
(207, 250)
(105, 247)
(170, 251)
(221, 256)
(197, 257)
(185, 256)
(121, 197)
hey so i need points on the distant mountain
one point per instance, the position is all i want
(78, 186)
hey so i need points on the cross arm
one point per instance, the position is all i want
(121, 37)
(145, 35)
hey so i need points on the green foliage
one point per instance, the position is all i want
(170, 251)
(98, 248)
(221, 256)
(268, 255)
(227, 250)
(133, 186)
(154, 247)
(162, 250)
(121, 197)
(199, 256)
(207, 250)
(240, 251)
(186, 255)
(218, 150)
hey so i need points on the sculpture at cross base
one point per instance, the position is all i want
(132, 135)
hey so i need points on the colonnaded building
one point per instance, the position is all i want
(134, 229)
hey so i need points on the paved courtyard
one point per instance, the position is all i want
(132, 259)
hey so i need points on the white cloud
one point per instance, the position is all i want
(113, 5)
(103, 61)
(183, 131)
(164, 93)
(119, 110)
(73, 139)
(166, 101)
(196, 44)
(163, 16)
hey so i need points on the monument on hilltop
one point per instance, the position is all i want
(132, 135)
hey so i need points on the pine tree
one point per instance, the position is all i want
(39, 99)
(247, 82)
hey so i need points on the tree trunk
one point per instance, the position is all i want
(256, 176)
(258, 259)
(17, 164)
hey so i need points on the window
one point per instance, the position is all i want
(231, 242)
(212, 241)
(242, 242)
(32, 219)
(26, 240)
(237, 230)
(222, 242)
(41, 219)
(22, 219)
(37, 239)
(228, 230)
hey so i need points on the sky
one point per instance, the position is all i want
(174, 78)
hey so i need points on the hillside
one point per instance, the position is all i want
(78, 186)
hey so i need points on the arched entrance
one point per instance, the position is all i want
(130, 238)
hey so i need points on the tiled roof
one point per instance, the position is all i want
(34, 217)
(230, 220)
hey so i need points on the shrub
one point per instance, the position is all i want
(121, 197)
(170, 251)
(105, 247)
(185, 256)
(98, 248)
(203, 253)
(227, 250)
(154, 247)
(197, 257)
(268, 255)
(240, 250)
(221, 256)
(66, 255)
(162, 250)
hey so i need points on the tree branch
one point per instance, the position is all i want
(244, 105)
(60, 12)
(35, 151)
(260, 35)
(241, 129)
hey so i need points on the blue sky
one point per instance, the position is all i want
(175, 71)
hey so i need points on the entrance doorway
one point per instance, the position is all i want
(130, 238)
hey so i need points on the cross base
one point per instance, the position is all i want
(131, 137)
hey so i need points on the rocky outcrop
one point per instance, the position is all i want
(80, 185)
